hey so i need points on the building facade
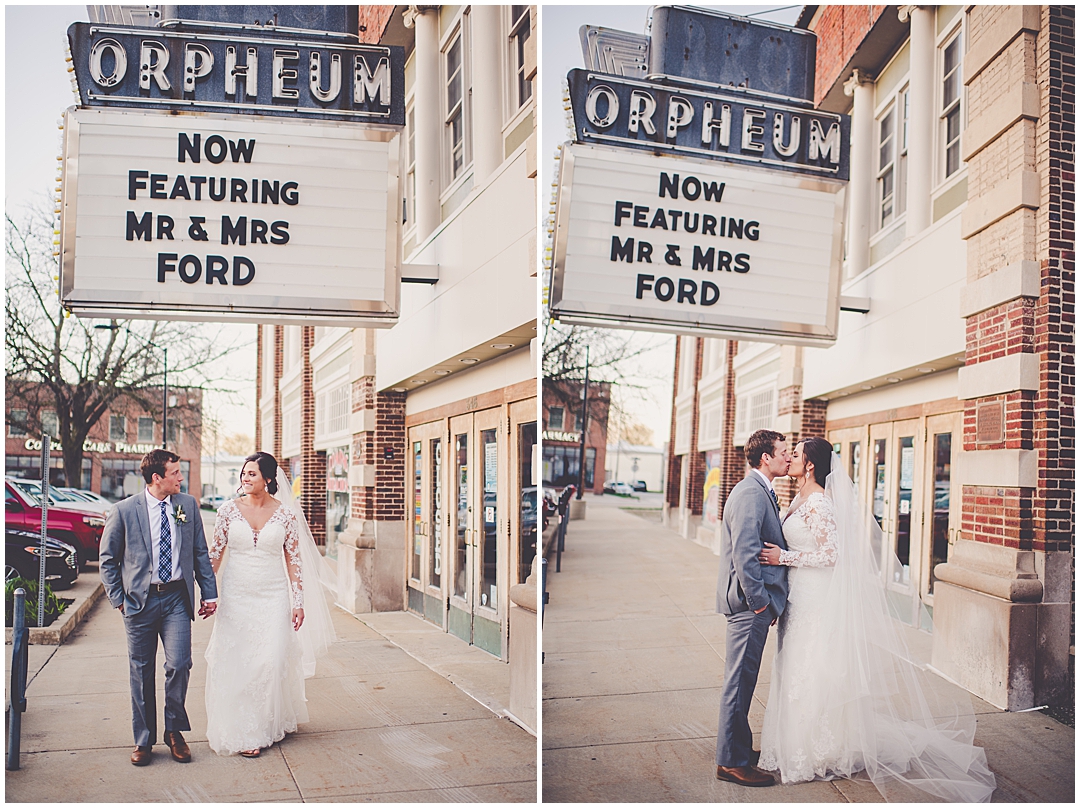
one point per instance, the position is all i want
(114, 449)
(950, 400)
(413, 449)
(628, 462)
(562, 434)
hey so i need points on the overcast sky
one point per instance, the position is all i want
(38, 90)
(561, 53)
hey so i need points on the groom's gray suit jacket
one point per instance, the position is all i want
(750, 519)
(127, 559)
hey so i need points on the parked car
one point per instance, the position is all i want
(89, 496)
(639, 485)
(80, 529)
(60, 498)
(22, 554)
(623, 489)
(212, 501)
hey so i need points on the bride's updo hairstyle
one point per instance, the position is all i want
(819, 452)
(267, 468)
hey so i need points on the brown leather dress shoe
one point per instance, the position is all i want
(181, 753)
(744, 776)
(140, 756)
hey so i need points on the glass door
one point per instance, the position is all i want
(462, 529)
(425, 560)
(941, 502)
(904, 508)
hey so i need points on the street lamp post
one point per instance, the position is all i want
(165, 378)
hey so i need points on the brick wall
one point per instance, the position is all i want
(733, 461)
(674, 462)
(279, 369)
(312, 463)
(840, 30)
(1055, 313)
(373, 20)
(390, 456)
(695, 489)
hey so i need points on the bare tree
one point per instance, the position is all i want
(614, 357)
(59, 363)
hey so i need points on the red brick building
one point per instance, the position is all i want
(113, 451)
(562, 434)
(951, 400)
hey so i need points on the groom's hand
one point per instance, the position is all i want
(207, 609)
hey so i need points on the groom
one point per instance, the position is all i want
(152, 552)
(752, 596)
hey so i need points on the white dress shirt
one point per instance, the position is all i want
(153, 508)
(768, 482)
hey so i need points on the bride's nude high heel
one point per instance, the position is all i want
(250, 753)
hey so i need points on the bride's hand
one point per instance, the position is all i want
(770, 555)
(297, 619)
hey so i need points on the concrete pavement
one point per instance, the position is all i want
(385, 727)
(634, 663)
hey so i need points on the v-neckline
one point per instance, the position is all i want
(251, 527)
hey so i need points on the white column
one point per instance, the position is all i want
(487, 102)
(920, 161)
(429, 124)
(861, 185)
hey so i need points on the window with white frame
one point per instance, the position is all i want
(118, 428)
(754, 411)
(339, 407)
(50, 423)
(892, 159)
(290, 429)
(409, 212)
(952, 90)
(146, 430)
(17, 423)
(555, 418)
(520, 31)
(455, 72)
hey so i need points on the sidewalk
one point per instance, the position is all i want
(384, 726)
(634, 664)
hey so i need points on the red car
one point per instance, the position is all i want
(78, 528)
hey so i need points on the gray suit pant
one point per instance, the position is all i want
(163, 616)
(746, 635)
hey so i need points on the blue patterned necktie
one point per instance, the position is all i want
(165, 548)
(776, 501)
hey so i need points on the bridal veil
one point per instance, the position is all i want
(911, 731)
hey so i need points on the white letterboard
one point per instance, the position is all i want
(689, 246)
(308, 212)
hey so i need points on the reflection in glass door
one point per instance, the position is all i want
(905, 484)
(489, 535)
(940, 503)
(459, 619)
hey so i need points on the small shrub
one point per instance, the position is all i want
(54, 606)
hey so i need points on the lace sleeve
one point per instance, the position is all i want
(292, 560)
(819, 517)
(221, 532)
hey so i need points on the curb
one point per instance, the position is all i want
(59, 630)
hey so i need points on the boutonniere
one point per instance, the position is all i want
(179, 515)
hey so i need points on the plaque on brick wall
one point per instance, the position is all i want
(990, 422)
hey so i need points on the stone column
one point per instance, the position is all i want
(1003, 601)
(861, 186)
(487, 100)
(429, 124)
(921, 117)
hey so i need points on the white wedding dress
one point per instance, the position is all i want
(798, 738)
(254, 661)
(845, 697)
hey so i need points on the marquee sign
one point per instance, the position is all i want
(240, 71)
(229, 218)
(696, 246)
(747, 128)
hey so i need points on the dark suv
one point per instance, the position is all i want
(80, 529)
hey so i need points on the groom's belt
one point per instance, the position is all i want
(171, 586)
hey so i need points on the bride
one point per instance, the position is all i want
(269, 626)
(845, 699)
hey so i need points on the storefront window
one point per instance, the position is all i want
(527, 487)
(120, 478)
(562, 465)
(939, 553)
(337, 497)
(461, 523)
(418, 509)
(489, 548)
(28, 467)
(436, 513)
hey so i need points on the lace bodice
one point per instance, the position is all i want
(231, 523)
(810, 533)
